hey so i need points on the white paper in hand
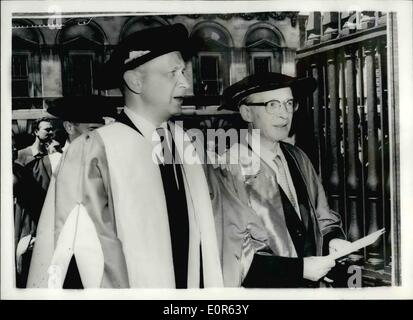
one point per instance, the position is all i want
(358, 244)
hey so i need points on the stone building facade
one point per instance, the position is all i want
(59, 57)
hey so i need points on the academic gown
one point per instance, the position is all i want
(107, 208)
(262, 239)
(28, 203)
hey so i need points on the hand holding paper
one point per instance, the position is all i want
(358, 244)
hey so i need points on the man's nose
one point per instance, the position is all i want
(183, 81)
(283, 113)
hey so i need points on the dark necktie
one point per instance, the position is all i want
(283, 181)
(173, 183)
(177, 210)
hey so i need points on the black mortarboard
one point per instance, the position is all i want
(157, 41)
(84, 109)
(235, 93)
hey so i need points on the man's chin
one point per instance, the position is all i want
(280, 134)
(177, 110)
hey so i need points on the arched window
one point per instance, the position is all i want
(26, 70)
(134, 24)
(264, 49)
(211, 65)
(82, 47)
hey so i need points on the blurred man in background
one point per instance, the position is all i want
(42, 130)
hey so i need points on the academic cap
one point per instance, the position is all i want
(141, 47)
(84, 109)
(255, 83)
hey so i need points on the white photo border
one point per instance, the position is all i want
(403, 10)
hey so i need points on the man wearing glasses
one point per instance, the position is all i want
(274, 224)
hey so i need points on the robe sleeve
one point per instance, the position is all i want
(237, 243)
(329, 221)
(269, 271)
(84, 178)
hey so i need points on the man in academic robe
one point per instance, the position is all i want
(80, 114)
(272, 217)
(129, 214)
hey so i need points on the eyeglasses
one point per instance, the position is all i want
(274, 106)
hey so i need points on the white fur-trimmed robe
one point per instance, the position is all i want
(122, 237)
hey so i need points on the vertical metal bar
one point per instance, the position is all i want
(373, 178)
(326, 132)
(362, 140)
(334, 179)
(384, 148)
(353, 183)
(394, 135)
(310, 115)
(354, 230)
(342, 135)
(316, 117)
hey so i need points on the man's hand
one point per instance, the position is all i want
(317, 267)
(23, 245)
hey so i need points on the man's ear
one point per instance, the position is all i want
(245, 112)
(69, 127)
(133, 81)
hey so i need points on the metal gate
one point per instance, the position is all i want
(353, 132)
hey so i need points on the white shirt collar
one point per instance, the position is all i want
(264, 150)
(35, 150)
(146, 127)
(148, 130)
(66, 146)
